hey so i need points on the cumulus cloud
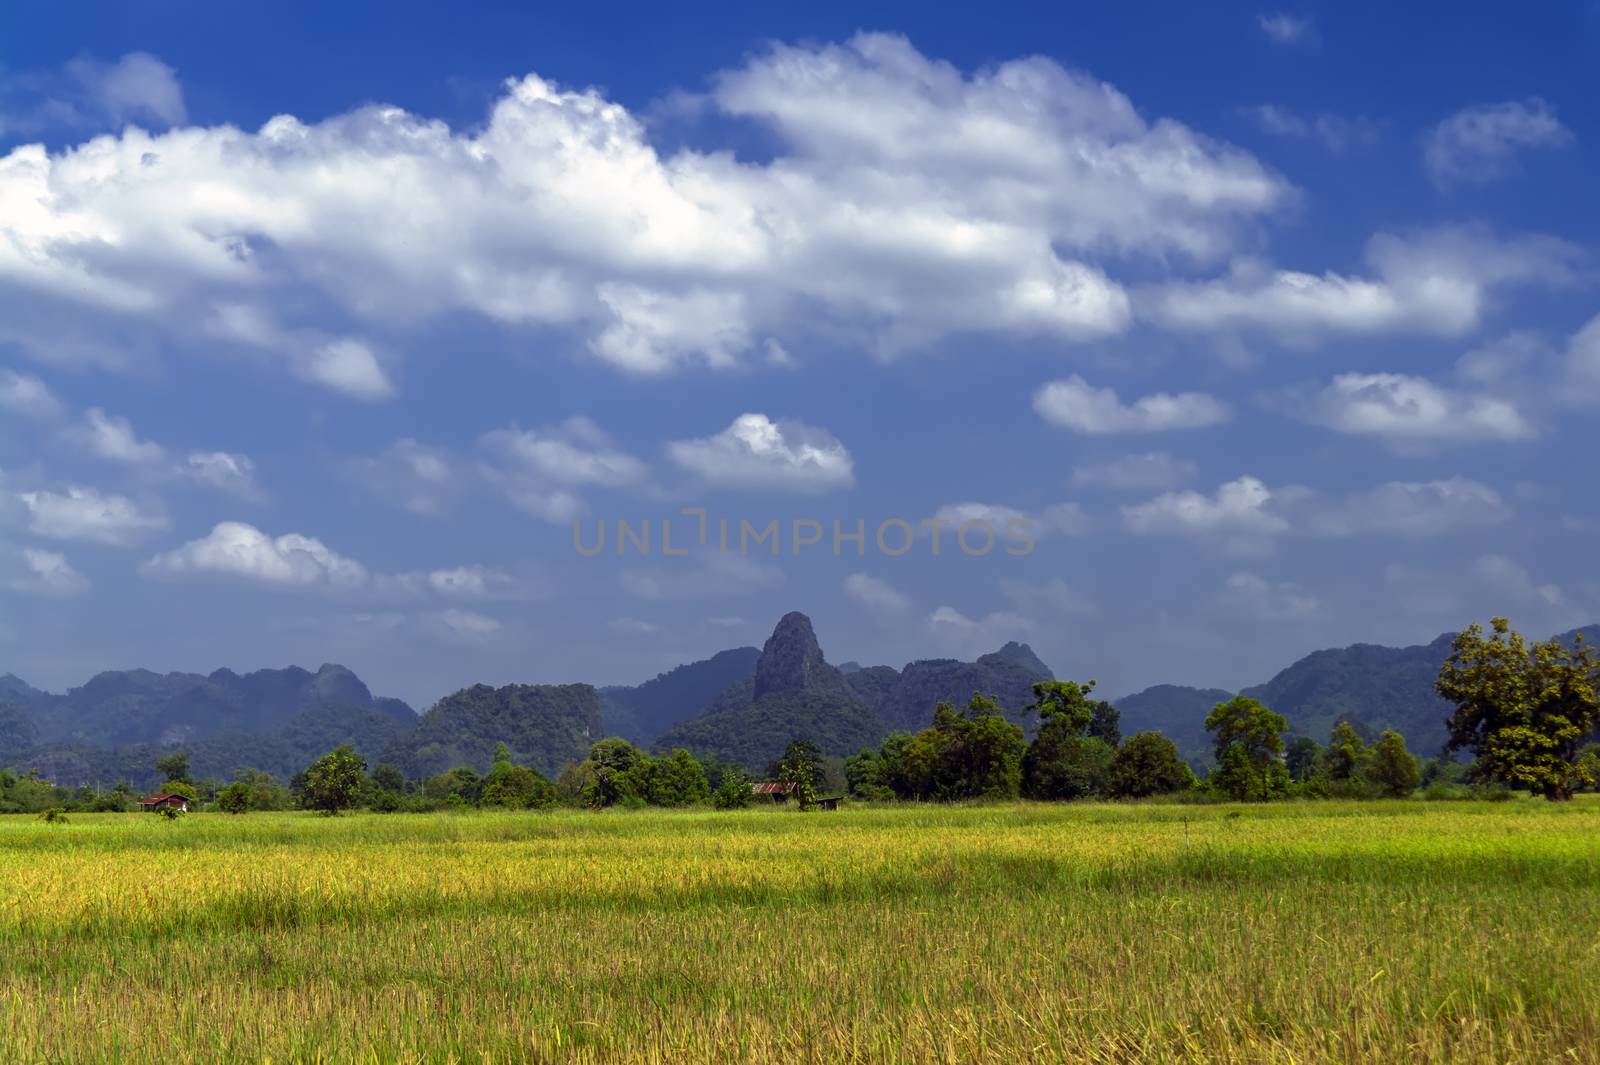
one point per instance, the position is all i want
(1407, 410)
(113, 439)
(1074, 404)
(905, 201)
(1149, 471)
(876, 595)
(90, 93)
(348, 366)
(28, 397)
(1239, 511)
(86, 515)
(1439, 283)
(1245, 515)
(237, 550)
(225, 471)
(1480, 144)
(539, 470)
(471, 582)
(1013, 525)
(31, 571)
(760, 454)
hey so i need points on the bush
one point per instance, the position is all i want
(734, 791)
(54, 816)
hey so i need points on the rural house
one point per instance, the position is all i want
(163, 801)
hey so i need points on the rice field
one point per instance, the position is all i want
(1310, 932)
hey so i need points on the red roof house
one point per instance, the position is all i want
(164, 801)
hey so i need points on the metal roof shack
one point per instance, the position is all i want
(163, 801)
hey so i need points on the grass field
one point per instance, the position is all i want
(1382, 932)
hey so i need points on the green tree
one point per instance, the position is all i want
(1523, 712)
(1393, 768)
(386, 777)
(676, 780)
(1105, 723)
(175, 766)
(1148, 764)
(1066, 701)
(801, 768)
(1302, 758)
(236, 798)
(335, 781)
(866, 777)
(614, 766)
(1347, 754)
(1248, 741)
(1063, 764)
(734, 791)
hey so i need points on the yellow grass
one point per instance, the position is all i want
(1381, 932)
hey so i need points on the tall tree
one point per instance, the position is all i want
(1347, 753)
(1393, 768)
(334, 782)
(1523, 711)
(1148, 764)
(175, 766)
(1248, 740)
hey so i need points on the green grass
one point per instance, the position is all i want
(1382, 932)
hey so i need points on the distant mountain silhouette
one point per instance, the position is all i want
(794, 693)
(642, 713)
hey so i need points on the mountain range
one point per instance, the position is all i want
(744, 705)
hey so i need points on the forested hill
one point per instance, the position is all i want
(741, 704)
(642, 713)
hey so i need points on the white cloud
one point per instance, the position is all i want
(472, 582)
(1408, 410)
(1240, 511)
(1439, 282)
(1011, 525)
(956, 632)
(235, 549)
(1285, 29)
(28, 396)
(1246, 515)
(1150, 471)
(1582, 363)
(1074, 404)
(84, 514)
(905, 202)
(1404, 508)
(758, 453)
(226, 471)
(1501, 358)
(1254, 595)
(113, 439)
(876, 595)
(467, 625)
(1491, 585)
(136, 87)
(347, 366)
(1333, 132)
(31, 571)
(538, 469)
(1480, 144)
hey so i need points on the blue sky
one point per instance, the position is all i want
(1276, 328)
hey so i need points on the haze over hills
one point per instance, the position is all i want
(742, 704)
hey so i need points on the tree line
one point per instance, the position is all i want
(1528, 714)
